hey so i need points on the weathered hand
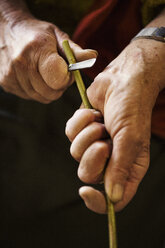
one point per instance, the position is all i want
(125, 93)
(32, 64)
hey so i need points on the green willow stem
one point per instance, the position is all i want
(111, 224)
(81, 87)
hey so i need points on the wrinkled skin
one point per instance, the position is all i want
(124, 94)
(32, 64)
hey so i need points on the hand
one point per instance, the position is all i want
(125, 93)
(32, 64)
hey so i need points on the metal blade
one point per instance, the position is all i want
(82, 65)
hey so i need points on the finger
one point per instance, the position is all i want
(80, 54)
(94, 131)
(126, 147)
(129, 191)
(11, 85)
(93, 162)
(24, 82)
(137, 172)
(16, 91)
(42, 88)
(94, 199)
(33, 95)
(27, 87)
(80, 120)
(98, 90)
(54, 70)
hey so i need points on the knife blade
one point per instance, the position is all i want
(82, 65)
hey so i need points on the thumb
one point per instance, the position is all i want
(54, 70)
(80, 54)
(121, 181)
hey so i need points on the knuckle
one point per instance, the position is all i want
(132, 136)
(27, 87)
(61, 34)
(42, 36)
(75, 153)
(80, 119)
(118, 170)
(34, 95)
(137, 141)
(85, 114)
(6, 88)
(22, 62)
(98, 128)
(91, 90)
(84, 177)
(101, 148)
(69, 131)
(93, 162)
(28, 54)
(9, 84)
(55, 96)
(146, 148)
(136, 138)
(91, 177)
(48, 93)
(96, 93)
(88, 114)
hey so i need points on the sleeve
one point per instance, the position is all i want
(150, 9)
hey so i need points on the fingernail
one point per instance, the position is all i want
(117, 193)
(98, 115)
(96, 112)
(92, 51)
